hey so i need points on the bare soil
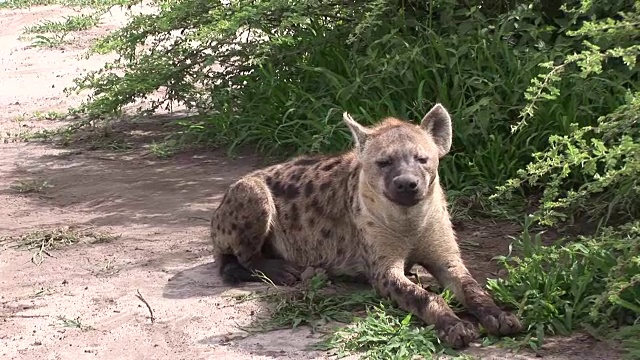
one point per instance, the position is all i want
(160, 209)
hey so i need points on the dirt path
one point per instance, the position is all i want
(159, 209)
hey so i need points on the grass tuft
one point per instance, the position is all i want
(73, 323)
(30, 186)
(42, 242)
(69, 24)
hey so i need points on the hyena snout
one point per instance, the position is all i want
(406, 190)
(406, 184)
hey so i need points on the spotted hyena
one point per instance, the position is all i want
(371, 212)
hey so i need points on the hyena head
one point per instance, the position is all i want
(399, 159)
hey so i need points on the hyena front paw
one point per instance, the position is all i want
(458, 334)
(500, 323)
(280, 272)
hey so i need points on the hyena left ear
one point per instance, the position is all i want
(437, 123)
(359, 132)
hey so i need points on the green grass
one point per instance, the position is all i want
(30, 186)
(20, 4)
(59, 30)
(73, 323)
(374, 326)
(69, 24)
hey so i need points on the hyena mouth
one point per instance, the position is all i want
(405, 200)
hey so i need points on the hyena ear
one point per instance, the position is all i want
(359, 132)
(437, 123)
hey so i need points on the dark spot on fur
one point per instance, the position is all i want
(292, 191)
(311, 220)
(331, 165)
(370, 223)
(306, 161)
(240, 206)
(316, 207)
(397, 287)
(325, 186)
(288, 191)
(418, 302)
(234, 226)
(385, 283)
(248, 225)
(277, 189)
(295, 176)
(223, 231)
(232, 213)
(308, 188)
(218, 227)
(326, 233)
(269, 181)
(295, 214)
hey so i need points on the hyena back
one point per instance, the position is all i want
(371, 212)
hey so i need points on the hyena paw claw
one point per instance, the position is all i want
(459, 334)
(502, 323)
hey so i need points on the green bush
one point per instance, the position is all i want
(589, 176)
(592, 283)
(292, 67)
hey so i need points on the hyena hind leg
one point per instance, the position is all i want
(240, 229)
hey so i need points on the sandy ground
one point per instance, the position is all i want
(159, 209)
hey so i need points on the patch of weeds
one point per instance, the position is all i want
(69, 24)
(49, 115)
(20, 4)
(311, 303)
(109, 268)
(42, 242)
(61, 136)
(118, 145)
(591, 283)
(113, 145)
(381, 334)
(73, 323)
(377, 328)
(30, 186)
(164, 149)
(628, 335)
(51, 41)
(10, 136)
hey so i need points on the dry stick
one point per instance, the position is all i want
(139, 296)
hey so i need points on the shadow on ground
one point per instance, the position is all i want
(126, 187)
(199, 281)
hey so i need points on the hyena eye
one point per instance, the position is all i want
(421, 159)
(382, 163)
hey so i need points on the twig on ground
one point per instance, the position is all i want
(198, 218)
(139, 296)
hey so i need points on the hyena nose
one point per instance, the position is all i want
(406, 183)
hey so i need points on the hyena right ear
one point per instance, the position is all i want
(437, 123)
(359, 132)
